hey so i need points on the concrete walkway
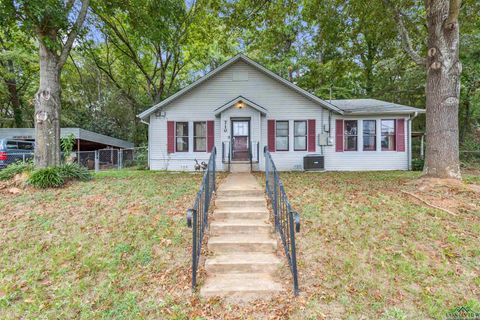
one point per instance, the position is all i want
(243, 260)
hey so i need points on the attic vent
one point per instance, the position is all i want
(240, 76)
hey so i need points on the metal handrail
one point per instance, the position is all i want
(287, 221)
(250, 156)
(197, 217)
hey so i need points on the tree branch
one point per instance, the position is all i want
(404, 35)
(73, 33)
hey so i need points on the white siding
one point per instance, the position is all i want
(281, 102)
(366, 160)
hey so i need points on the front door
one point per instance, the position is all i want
(240, 139)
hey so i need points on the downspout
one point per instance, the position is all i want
(409, 137)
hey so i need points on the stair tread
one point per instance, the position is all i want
(241, 209)
(241, 222)
(247, 282)
(241, 238)
(240, 198)
(243, 258)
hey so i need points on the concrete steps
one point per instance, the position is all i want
(240, 226)
(241, 286)
(249, 262)
(241, 201)
(241, 213)
(243, 261)
(242, 243)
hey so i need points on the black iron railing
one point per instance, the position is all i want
(197, 217)
(287, 221)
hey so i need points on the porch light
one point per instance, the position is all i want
(240, 105)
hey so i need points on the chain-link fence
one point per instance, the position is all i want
(470, 158)
(97, 160)
(7, 158)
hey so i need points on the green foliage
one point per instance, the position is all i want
(46, 178)
(72, 171)
(417, 164)
(67, 143)
(54, 177)
(140, 52)
(15, 168)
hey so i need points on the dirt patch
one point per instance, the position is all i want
(453, 196)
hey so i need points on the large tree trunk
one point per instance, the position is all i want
(443, 89)
(47, 110)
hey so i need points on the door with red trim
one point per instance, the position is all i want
(240, 139)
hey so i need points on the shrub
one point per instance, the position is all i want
(15, 168)
(72, 171)
(46, 178)
(417, 164)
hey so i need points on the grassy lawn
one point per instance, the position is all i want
(118, 248)
(366, 249)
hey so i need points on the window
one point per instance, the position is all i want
(240, 128)
(25, 145)
(369, 135)
(351, 131)
(181, 136)
(388, 135)
(300, 135)
(281, 141)
(12, 145)
(199, 136)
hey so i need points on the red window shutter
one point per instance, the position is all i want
(339, 135)
(170, 136)
(210, 135)
(400, 135)
(311, 135)
(271, 135)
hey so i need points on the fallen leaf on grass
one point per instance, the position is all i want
(14, 190)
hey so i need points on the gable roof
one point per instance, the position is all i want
(373, 106)
(247, 60)
(240, 98)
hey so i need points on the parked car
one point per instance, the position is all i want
(15, 150)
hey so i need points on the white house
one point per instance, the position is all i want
(242, 107)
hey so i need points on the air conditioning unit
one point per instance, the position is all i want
(314, 162)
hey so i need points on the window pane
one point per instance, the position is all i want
(300, 128)
(369, 127)
(200, 129)
(182, 129)
(388, 142)
(25, 146)
(11, 145)
(282, 143)
(350, 143)
(200, 144)
(388, 126)
(351, 127)
(369, 143)
(240, 128)
(369, 135)
(282, 128)
(300, 143)
(182, 144)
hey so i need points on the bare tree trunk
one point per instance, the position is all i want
(443, 89)
(47, 110)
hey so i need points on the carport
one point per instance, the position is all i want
(86, 140)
